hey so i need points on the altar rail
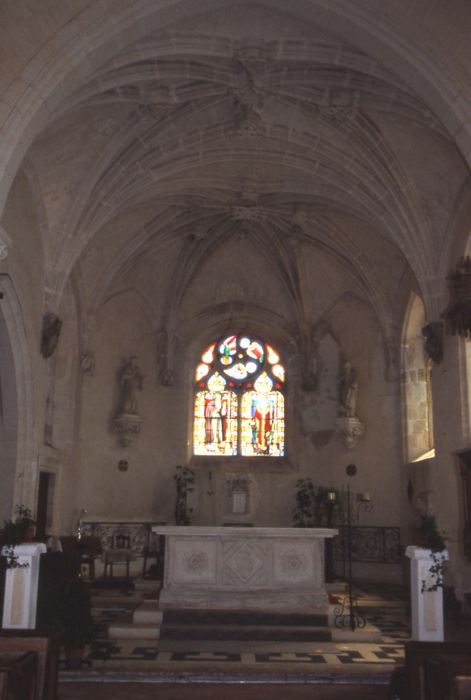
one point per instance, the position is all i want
(373, 545)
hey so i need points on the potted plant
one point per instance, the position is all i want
(429, 537)
(313, 507)
(427, 569)
(184, 482)
(77, 622)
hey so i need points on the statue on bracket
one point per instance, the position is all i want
(309, 350)
(349, 425)
(166, 346)
(51, 330)
(87, 363)
(128, 422)
(433, 336)
(348, 390)
(131, 383)
(392, 360)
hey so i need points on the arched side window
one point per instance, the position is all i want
(239, 404)
(417, 395)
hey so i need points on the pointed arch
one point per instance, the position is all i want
(239, 406)
(20, 393)
(416, 386)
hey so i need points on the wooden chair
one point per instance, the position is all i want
(85, 551)
(154, 549)
(90, 549)
(120, 554)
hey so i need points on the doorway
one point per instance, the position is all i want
(45, 502)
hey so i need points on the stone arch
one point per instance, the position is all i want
(416, 386)
(17, 402)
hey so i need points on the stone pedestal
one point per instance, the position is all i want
(350, 429)
(21, 588)
(128, 427)
(427, 607)
(244, 568)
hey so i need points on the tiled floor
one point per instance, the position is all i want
(211, 669)
(385, 608)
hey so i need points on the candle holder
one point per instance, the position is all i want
(330, 504)
(348, 614)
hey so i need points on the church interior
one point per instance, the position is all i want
(234, 240)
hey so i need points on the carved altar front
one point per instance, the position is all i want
(244, 567)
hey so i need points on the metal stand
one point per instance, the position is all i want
(348, 613)
(330, 504)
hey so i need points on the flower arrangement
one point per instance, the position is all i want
(184, 482)
(312, 504)
(429, 537)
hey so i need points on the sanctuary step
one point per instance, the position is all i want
(255, 633)
(244, 626)
(144, 624)
(243, 617)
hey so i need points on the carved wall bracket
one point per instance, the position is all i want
(433, 336)
(350, 429)
(50, 334)
(166, 346)
(458, 312)
(128, 427)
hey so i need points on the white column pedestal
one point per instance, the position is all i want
(427, 607)
(21, 588)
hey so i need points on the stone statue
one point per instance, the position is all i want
(348, 390)
(433, 337)
(166, 377)
(130, 383)
(50, 334)
(87, 363)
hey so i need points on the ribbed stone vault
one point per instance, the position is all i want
(172, 170)
(295, 143)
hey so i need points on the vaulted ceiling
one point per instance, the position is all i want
(244, 132)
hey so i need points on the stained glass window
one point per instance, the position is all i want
(239, 399)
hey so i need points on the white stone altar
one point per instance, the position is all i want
(244, 567)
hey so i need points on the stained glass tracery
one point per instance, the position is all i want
(239, 405)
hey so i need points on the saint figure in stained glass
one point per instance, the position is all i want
(239, 405)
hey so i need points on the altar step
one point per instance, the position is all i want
(148, 622)
(244, 626)
(244, 617)
(246, 633)
(145, 623)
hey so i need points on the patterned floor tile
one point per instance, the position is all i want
(385, 611)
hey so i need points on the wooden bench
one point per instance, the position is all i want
(18, 673)
(45, 648)
(438, 670)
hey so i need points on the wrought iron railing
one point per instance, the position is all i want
(375, 545)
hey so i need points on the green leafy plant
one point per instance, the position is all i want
(184, 481)
(14, 532)
(312, 505)
(429, 537)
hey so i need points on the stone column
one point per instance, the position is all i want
(21, 588)
(427, 606)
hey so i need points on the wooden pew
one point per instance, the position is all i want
(438, 670)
